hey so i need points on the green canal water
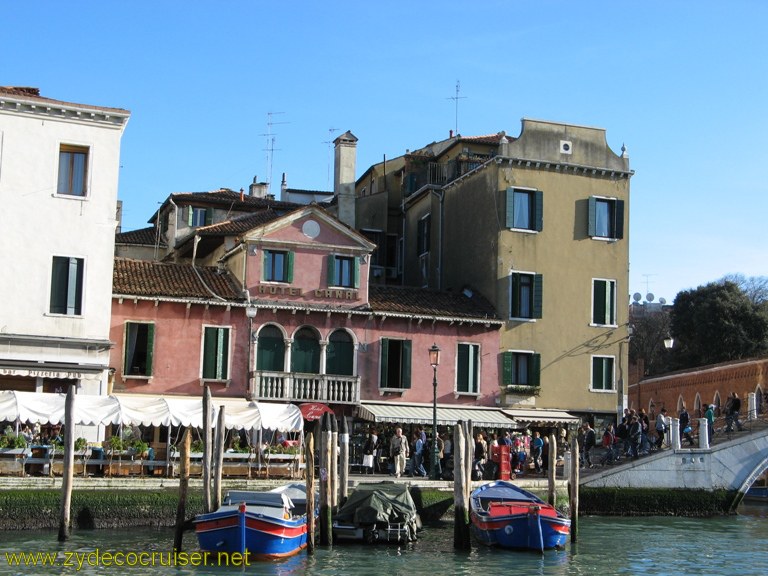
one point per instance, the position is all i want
(735, 545)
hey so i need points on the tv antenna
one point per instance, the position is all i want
(456, 99)
(329, 142)
(648, 281)
(270, 149)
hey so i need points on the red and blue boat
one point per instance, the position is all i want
(507, 516)
(261, 525)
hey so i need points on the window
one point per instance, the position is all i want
(521, 369)
(343, 271)
(468, 369)
(526, 292)
(139, 344)
(423, 235)
(377, 237)
(270, 349)
(604, 302)
(215, 353)
(340, 354)
(606, 218)
(73, 170)
(305, 352)
(199, 216)
(395, 364)
(525, 209)
(602, 372)
(67, 286)
(278, 266)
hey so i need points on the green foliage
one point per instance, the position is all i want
(717, 323)
(647, 343)
(12, 441)
(81, 444)
(116, 444)
(197, 446)
(139, 446)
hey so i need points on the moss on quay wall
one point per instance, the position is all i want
(654, 502)
(39, 509)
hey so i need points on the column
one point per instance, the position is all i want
(703, 433)
(674, 433)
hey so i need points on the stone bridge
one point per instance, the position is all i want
(731, 464)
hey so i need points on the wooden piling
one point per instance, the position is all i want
(552, 471)
(309, 452)
(69, 464)
(181, 507)
(218, 459)
(573, 489)
(207, 448)
(461, 536)
(334, 467)
(343, 461)
(325, 482)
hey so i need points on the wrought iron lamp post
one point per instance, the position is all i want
(434, 360)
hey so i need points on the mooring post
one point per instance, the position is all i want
(309, 469)
(69, 464)
(343, 461)
(552, 471)
(218, 459)
(181, 507)
(325, 481)
(334, 467)
(207, 448)
(573, 488)
(460, 480)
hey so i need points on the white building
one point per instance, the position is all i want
(59, 165)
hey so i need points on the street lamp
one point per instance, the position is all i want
(669, 342)
(434, 360)
(250, 312)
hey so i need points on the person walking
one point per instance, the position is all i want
(398, 451)
(710, 416)
(662, 425)
(589, 443)
(732, 409)
(537, 448)
(417, 465)
(685, 425)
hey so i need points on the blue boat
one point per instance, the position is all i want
(509, 517)
(261, 525)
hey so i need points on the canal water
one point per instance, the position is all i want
(646, 546)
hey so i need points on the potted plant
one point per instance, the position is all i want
(81, 444)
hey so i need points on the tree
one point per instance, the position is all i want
(755, 287)
(646, 345)
(715, 323)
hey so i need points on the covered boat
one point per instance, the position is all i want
(507, 516)
(263, 525)
(377, 512)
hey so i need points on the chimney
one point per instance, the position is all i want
(450, 133)
(257, 189)
(284, 190)
(345, 155)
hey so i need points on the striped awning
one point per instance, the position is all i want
(541, 416)
(402, 413)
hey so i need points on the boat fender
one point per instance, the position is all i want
(241, 508)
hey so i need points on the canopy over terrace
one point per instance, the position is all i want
(402, 413)
(146, 410)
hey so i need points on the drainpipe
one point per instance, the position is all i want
(440, 194)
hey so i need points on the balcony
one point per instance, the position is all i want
(295, 387)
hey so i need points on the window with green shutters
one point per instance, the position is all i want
(215, 353)
(343, 271)
(395, 364)
(606, 218)
(278, 266)
(468, 368)
(199, 216)
(521, 369)
(604, 302)
(340, 354)
(526, 294)
(138, 349)
(602, 372)
(525, 209)
(305, 352)
(270, 349)
(67, 286)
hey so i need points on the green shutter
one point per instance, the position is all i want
(538, 216)
(265, 266)
(150, 348)
(384, 363)
(190, 212)
(289, 271)
(598, 304)
(129, 327)
(538, 295)
(597, 373)
(208, 216)
(331, 270)
(507, 368)
(356, 273)
(534, 371)
(514, 300)
(510, 215)
(611, 303)
(405, 375)
(592, 216)
(462, 368)
(619, 216)
(209, 353)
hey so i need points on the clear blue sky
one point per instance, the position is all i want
(683, 84)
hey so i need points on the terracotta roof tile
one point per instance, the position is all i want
(146, 278)
(240, 224)
(144, 236)
(424, 302)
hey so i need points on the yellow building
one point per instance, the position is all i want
(537, 224)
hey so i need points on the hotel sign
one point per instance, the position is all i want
(325, 293)
(37, 373)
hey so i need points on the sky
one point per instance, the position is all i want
(222, 92)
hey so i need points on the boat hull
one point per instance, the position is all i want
(503, 515)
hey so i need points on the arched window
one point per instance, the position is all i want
(305, 353)
(340, 354)
(760, 400)
(270, 350)
(717, 405)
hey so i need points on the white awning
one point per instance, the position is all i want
(541, 416)
(447, 415)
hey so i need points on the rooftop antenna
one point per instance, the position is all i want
(647, 281)
(270, 149)
(456, 102)
(329, 142)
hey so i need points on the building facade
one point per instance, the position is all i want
(59, 164)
